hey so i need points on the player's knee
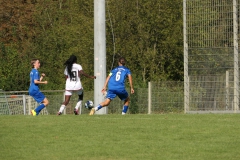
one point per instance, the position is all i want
(65, 103)
(127, 100)
(106, 102)
(45, 102)
(80, 97)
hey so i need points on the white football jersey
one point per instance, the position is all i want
(75, 82)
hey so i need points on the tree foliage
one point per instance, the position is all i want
(147, 32)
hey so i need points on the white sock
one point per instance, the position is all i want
(62, 108)
(79, 104)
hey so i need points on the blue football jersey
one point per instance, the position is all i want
(117, 78)
(34, 75)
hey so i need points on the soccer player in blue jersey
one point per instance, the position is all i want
(33, 90)
(116, 87)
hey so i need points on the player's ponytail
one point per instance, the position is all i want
(69, 63)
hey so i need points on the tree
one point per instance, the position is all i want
(65, 28)
(16, 35)
(147, 32)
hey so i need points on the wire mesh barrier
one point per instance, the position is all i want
(13, 103)
(212, 93)
(211, 70)
(166, 96)
(159, 97)
(19, 102)
(138, 103)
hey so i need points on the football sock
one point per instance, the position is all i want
(62, 108)
(125, 108)
(98, 107)
(79, 104)
(39, 108)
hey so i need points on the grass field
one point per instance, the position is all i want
(117, 137)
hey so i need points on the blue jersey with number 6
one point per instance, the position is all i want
(117, 78)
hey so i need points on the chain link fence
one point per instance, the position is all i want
(159, 97)
(211, 62)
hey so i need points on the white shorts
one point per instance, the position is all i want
(69, 93)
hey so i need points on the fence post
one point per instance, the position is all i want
(24, 104)
(236, 66)
(149, 98)
(227, 90)
(29, 105)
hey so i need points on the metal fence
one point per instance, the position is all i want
(211, 70)
(159, 97)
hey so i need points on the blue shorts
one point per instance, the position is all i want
(122, 94)
(37, 95)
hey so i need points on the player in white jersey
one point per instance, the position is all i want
(74, 83)
(72, 72)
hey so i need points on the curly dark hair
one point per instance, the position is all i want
(72, 59)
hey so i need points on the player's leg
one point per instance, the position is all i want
(42, 105)
(43, 102)
(123, 95)
(125, 106)
(68, 95)
(110, 96)
(103, 104)
(78, 107)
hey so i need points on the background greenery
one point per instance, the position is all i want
(147, 32)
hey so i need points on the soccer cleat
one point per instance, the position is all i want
(33, 113)
(59, 113)
(76, 111)
(92, 111)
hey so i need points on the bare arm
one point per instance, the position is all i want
(130, 82)
(40, 80)
(105, 85)
(86, 75)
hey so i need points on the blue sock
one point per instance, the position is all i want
(125, 108)
(99, 107)
(39, 108)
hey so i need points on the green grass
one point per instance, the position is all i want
(117, 137)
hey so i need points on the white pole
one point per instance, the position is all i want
(236, 69)
(185, 50)
(99, 52)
